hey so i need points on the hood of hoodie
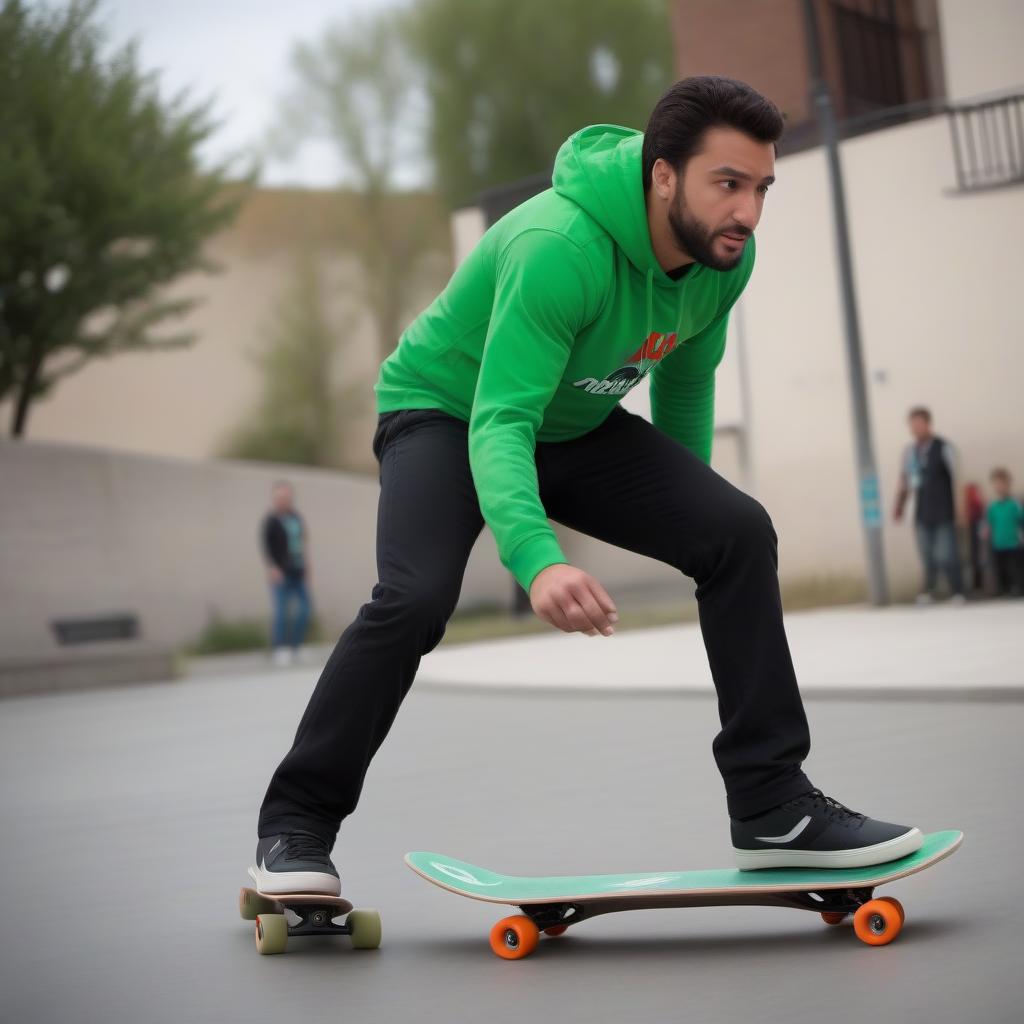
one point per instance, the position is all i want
(600, 168)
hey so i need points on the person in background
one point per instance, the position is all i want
(929, 471)
(974, 505)
(1004, 523)
(286, 552)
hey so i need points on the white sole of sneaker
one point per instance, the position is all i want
(274, 883)
(862, 857)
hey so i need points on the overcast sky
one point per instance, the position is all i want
(237, 50)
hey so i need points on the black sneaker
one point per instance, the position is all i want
(295, 862)
(815, 831)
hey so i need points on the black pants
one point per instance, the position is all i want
(626, 483)
(1009, 571)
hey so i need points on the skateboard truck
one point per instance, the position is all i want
(316, 915)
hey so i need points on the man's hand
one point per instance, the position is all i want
(572, 601)
(274, 574)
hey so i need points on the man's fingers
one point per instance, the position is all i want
(573, 601)
(576, 614)
(556, 617)
(596, 617)
(604, 599)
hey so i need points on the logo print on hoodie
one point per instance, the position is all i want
(639, 364)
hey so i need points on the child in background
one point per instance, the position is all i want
(1005, 521)
(974, 505)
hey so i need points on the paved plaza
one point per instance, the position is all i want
(130, 812)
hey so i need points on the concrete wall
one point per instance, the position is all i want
(88, 532)
(982, 43)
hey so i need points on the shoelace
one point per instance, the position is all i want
(832, 809)
(304, 844)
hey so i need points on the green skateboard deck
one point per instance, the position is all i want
(551, 904)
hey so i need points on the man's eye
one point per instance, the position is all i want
(763, 189)
(730, 183)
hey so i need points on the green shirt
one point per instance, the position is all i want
(559, 311)
(1005, 519)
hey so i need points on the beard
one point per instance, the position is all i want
(693, 236)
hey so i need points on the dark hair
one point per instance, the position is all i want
(1000, 474)
(920, 410)
(680, 118)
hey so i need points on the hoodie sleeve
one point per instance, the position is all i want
(543, 292)
(683, 386)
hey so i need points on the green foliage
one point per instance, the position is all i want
(356, 87)
(299, 414)
(509, 82)
(224, 636)
(221, 636)
(103, 201)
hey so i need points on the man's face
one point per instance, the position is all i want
(1001, 486)
(719, 197)
(920, 427)
(282, 498)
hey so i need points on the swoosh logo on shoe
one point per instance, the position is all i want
(790, 835)
(273, 848)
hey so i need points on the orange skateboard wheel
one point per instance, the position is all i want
(512, 938)
(896, 903)
(878, 922)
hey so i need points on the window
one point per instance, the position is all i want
(881, 54)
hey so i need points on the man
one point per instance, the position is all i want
(501, 405)
(285, 542)
(928, 469)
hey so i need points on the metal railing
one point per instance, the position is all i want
(988, 142)
(987, 136)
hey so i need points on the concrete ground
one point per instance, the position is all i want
(971, 651)
(129, 819)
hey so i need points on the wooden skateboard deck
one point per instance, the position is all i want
(551, 904)
(316, 916)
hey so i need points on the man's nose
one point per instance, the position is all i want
(746, 212)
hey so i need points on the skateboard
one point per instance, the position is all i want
(551, 905)
(316, 916)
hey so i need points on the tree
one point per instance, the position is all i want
(508, 83)
(104, 202)
(298, 415)
(356, 87)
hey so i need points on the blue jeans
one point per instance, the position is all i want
(282, 593)
(938, 549)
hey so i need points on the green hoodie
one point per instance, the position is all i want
(558, 311)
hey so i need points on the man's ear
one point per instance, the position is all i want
(661, 178)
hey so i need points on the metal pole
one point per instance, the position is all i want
(867, 473)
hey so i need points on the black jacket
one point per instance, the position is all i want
(275, 545)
